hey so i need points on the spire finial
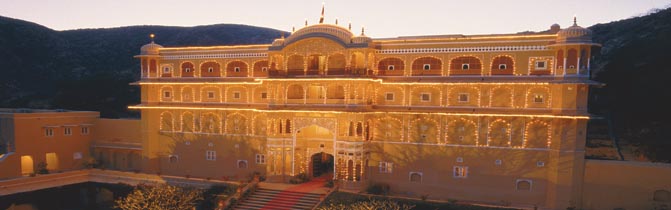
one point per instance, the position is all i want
(293, 29)
(336, 20)
(151, 36)
(321, 18)
(306, 22)
(349, 25)
(575, 20)
(363, 30)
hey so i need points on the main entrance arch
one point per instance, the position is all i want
(313, 150)
(321, 164)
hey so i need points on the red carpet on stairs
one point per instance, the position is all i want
(285, 197)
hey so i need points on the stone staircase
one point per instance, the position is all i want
(280, 200)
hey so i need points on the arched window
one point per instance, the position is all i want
(210, 69)
(359, 129)
(295, 92)
(465, 65)
(462, 131)
(143, 66)
(261, 69)
(236, 69)
(166, 121)
(427, 66)
(572, 59)
(242, 163)
(187, 122)
(295, 65)
(336, 64)
(499, 134)
(280, 126)
(187, 69)
(503, 65)
(415, 177)
(288, 126)
(523, 185)
(537, 135)
(173, 158)
(153, 72)
(501, 97)
(390, 67)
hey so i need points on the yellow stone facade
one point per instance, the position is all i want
(495, 118)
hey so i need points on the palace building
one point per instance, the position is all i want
(498, 119)
(491, 118)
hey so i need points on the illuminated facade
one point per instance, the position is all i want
(496, 118)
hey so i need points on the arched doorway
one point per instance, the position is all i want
(322, 164)
(27, 165)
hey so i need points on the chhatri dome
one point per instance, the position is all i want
(574, 34)
(332, 31)
(151, 48)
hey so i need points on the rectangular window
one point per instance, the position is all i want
(260, 159)
(463, 97)
(210, 94)
(264, 95)
(210, 155)
(236, 95)
(460, 171)
(540, 65)
(427, 66)
(426, 97)
(540, 163)
(85, 130)
(67, 131)
(166, 94)
(49, 132)
(166, 70)
(389, 96)
(538, 98)
(386, 167)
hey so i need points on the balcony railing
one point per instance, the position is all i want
(321, 73)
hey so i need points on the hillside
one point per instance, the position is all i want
(633, 65)
(90, 69)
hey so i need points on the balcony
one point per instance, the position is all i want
(315, 73)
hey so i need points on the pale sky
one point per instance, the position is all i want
(381, 18)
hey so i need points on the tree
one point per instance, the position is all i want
(145, 197)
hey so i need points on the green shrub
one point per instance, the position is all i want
(42, 168)
(300, 178)
(330, 183)
(378, 189)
